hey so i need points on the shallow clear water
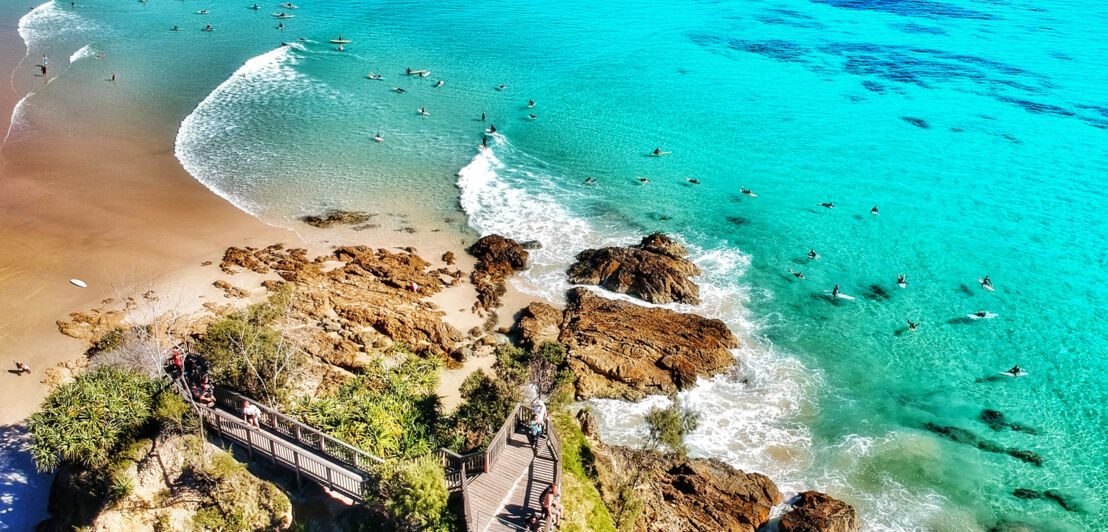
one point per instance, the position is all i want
(977, 127)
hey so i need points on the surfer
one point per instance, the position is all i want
(874, 210)
(657, 151)
(982, 314)
(113, 77)
(500, 87)
(492, 128)
(530, 104)
(1016, 371)
(798, 275)
(902, 280)
(812, 255)
(835, 291)
(281, 26)
(642, 179)
(341, 49)
(423, 111)
(208, 27)
(398, 89)
(590, 180)
(482, 116)
(254, 7)
(175, 28)
(747, 191)
(378, 137)
(912, 326)
(829, 205)
(986, 283)
(484, 141)
(439, 84)
(532, 117)
(407, 71)
(693, 181)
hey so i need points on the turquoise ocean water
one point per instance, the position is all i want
(979, 128)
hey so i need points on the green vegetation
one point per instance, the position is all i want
(486, 403)
(389, 411)
(248, 355)
(584, 507)
(235, 499)
(511, 364)
(86, 421)
(417, 496)
(668, 426)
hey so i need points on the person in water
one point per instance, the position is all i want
(281, 26)
(590, 180)
(901, 278)
(532, 117)
(492, 128)
(484, 141)
(798, 275)
(530, 103)
(113, 77)
(657, 151)
(812, 255)
(255, 7)
(874, 210)
(482, 117)
(643, 179)
(981, 313)
(208, 27)
(912, 326)
(175, 28)
(1016, 370)
(829, 205)
(986, 281)
(835, 291)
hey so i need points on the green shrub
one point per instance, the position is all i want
(552, 353)
(580, 497)
(121, 487)
(387, 411)
(668, 426)
(417, 498)
(85, 421)
(170, 409)
(249, 356)
(486, 403)
(111, 341)
(221, 466)
(511, 364)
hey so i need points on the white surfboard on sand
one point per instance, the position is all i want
(78, 282)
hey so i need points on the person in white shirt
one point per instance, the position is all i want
(250, 413)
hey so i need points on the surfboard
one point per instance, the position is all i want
(283, 15)
(425, 73)
(1014, 375)
(902, 285)
(78, 282)
(986, 287)
(422, 112)
(751, 194)
(439, 84)
(987, 316)
(378, 139)
(844, 296)
(341, 41)
(661, 153)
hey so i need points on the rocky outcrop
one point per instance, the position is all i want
(655, 270)
(817, 512)
(538, 323)
(358, 301)
(230, 291)
(497, 258)
(621, 350)
(685, 494)
(333, 218)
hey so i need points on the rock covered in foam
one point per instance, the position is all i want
(655, 270)
(816, 512)
(621, 350)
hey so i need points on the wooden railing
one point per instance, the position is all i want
(341, 479)
(299, 432)
(554, 444)
(496, 446)
(467, 512)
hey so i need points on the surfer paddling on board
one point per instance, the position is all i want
(874, 210)
(1016, 371)
(812, 255)
(530, 104)
(986, 283)
(798, 275)
(492, 128)
(902, 280)
(829, 205)
(484, 141)
(912, 326)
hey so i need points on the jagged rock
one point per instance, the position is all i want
(538, 323)
(588, 422)
(655, 270)
(333, 218)
(92, 325)
(816, 512)
(497, 258)
(621, 350)
(448, 258)
(230, 291)
(531, 244)
(685, 494)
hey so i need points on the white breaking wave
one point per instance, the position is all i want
(81, 53)
(209, 141)
(753, 417)
(48, 21)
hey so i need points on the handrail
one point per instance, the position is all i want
(467, 511)
(554, 444)
(293, 428)
(496, 445)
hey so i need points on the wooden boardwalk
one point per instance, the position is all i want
(504, 483)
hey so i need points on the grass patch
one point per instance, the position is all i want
(584, 508)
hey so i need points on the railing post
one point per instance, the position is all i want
(249, 444)
(296, 462)
(330, 483)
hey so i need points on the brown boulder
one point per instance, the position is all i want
(538, 324)
(621, 350)
(816, 512)
(655, 270)
(333, 218)
(685, 494)
(497, 258)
